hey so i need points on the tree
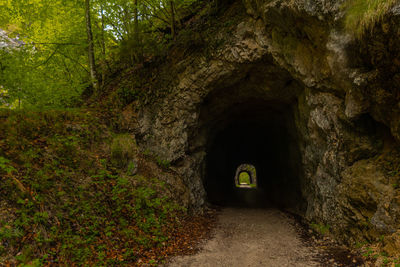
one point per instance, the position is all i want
(64, 39)
(173, 27)
(92, 62)
(53, 61)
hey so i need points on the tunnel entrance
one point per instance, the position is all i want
(246, 176)
(263, 135)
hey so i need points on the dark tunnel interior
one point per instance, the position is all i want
(261, 135)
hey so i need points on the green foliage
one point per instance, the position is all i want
(131, 167)
(163, 162)
(362, 15)
(126, 95)
(50, 67)
(368, 253)
(34, 263)
(5, 166)
(78, 211)
(373, 253)
(153, 31)
(320, 228)
(28, 83)
(244, 178)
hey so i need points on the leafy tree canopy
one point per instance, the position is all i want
(51, 68)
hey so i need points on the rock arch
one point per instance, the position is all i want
(251, 172)
(288, 67)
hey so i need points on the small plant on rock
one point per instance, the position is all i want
(320, 228)
(362, 15)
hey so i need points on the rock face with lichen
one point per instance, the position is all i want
(340, 94)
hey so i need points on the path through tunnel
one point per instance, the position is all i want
(264, 136)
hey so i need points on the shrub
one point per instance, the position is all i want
(123, 148)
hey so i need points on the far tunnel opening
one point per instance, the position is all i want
(263, 135)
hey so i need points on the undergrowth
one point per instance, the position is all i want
(321, 229)
(122, 149)
(66, 202)
(362, 15)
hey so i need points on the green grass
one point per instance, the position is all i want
(362, 15)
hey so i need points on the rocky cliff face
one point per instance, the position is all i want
(290, 65)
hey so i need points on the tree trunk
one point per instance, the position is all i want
(136, 25)
(103, 48)
(173, 26)
(137, 39)
(92, 63)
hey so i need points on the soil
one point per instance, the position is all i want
(265, 237)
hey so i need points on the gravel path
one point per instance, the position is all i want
(252, 237)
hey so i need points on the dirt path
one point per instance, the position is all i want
(252, 237)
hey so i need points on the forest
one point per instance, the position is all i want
(59, 53)
(58, 63)
(199, 133)
(53, 52)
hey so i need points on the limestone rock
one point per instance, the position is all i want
(341, 93)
